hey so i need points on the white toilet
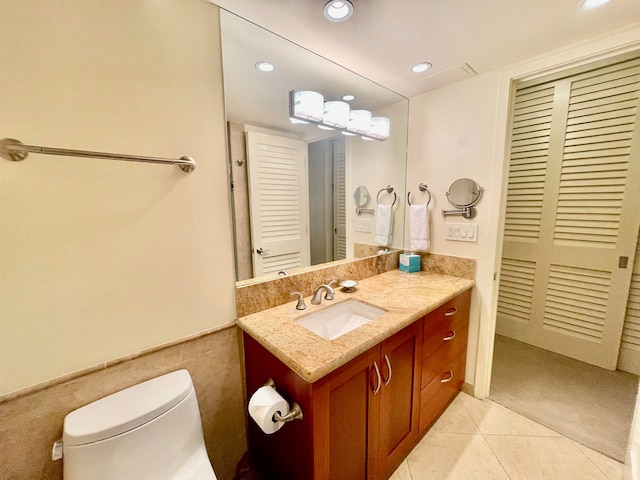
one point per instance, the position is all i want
(151, 431)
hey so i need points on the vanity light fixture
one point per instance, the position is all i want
(420, 67)
(265, 66)
(338, 10)
(306, 106)
(589, 4)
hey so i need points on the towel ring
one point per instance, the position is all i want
(388, 189)
(423, 188)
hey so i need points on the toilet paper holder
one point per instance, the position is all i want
(295, 412)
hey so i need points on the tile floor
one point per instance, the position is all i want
(482, 440)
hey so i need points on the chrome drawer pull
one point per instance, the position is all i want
(386, 359)
(450, 337)
(447, 380)
(379, 384)
(451, 312)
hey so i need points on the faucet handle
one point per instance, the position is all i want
(330, 292)
(301, 305)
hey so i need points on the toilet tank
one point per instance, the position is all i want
(149, 431)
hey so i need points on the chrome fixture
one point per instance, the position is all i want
(423, 188)
(338, 10)
(283, 273)
(317, 295)
(464, 193)
(388, 189)
(300, 305)
(11, 149)
(295, 412)
(361, 197)
(307, 106)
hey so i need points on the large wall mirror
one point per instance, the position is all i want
(292, 184)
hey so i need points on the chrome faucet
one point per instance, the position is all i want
(317, 295)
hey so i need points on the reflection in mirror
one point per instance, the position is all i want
(361, 196)
(290, 181)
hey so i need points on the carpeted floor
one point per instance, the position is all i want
(588, 404)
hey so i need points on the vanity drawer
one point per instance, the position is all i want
(439, 392)
(455, 347)
(439, 324)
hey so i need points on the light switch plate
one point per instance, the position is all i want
(461, 232)
(363, 225)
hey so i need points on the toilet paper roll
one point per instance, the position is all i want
(263, 404)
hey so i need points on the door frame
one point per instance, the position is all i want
(624, 41)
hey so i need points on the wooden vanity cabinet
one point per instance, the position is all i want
(444, 352)
(360, 421)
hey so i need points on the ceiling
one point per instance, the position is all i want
(383, 38)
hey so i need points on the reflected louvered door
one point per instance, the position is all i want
(572, 212)
(339, 200)
(278, 195)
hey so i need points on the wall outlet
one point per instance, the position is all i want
(461, 232)
(363, 225)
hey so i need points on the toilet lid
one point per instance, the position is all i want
(127, 409)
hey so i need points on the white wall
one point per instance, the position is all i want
(461, 131)
(101, 259)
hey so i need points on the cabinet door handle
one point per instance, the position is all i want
(379, 384)
(451, 312)
(386, 382)
(447, 380)
(451, 336)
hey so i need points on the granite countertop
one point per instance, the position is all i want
(406, 297)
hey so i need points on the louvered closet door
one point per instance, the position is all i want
(339, 200)
(572, 211)
(629, 360)
(278, 195)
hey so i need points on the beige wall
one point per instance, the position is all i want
(101, 259)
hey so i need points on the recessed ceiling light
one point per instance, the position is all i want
(421, 67)
(265, 66)
(588, 4)
(348, 98)
(338, 11)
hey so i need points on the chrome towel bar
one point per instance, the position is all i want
(11, 149)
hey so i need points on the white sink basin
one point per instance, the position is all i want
(336, 320)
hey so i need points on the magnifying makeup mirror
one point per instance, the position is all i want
(463, 194)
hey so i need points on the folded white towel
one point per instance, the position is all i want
(384, 223)
(419, 227)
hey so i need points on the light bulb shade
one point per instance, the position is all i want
(308, 105)
(359, 121)
(336, 114)
(380, 128)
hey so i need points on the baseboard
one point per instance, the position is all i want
(467, 388)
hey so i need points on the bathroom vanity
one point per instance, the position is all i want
(368, 395)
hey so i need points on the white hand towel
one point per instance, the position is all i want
(384, 221)
(419, 227)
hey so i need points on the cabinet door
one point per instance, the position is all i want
(345, 411)
(399, 399)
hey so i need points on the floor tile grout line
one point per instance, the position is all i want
(496, 455)
(591, 461)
